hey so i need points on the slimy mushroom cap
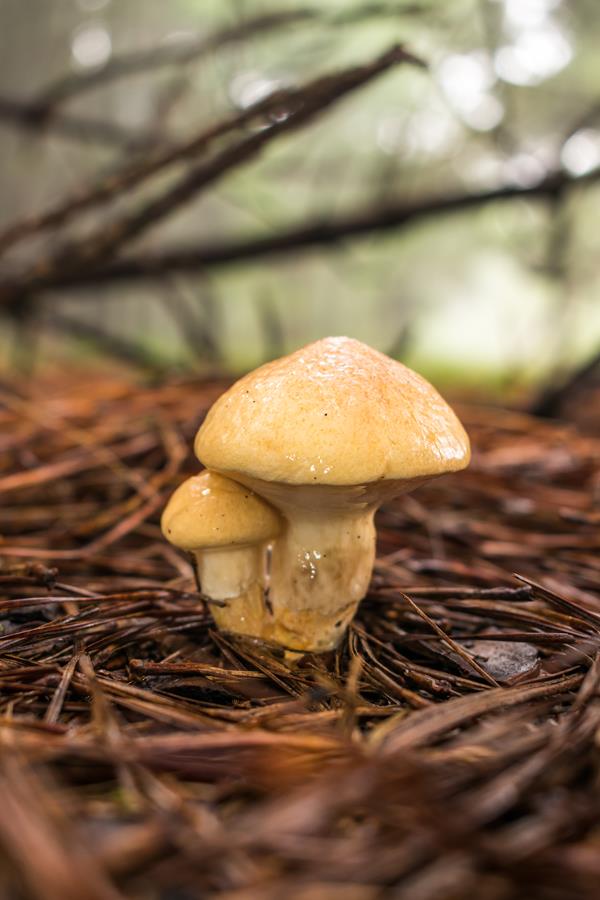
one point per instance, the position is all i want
(209, 511)
(333, 413)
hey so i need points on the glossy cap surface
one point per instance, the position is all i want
(210, 511)
(335, 412)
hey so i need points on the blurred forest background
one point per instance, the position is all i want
(181, 190)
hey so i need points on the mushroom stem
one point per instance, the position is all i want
(320, 570)
(237, 577)
(226, 572)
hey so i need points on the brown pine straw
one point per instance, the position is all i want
(447, 749)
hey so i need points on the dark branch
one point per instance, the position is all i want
(301, 106)
(113, 344)
(317, 234)
(551, 401)
(28, 115)
(134, 173)
(168, 54)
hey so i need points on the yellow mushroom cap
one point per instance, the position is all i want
(210, 511)
(335, 412)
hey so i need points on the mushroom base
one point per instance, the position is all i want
(320, 571)
(235, 577)
(321, 564)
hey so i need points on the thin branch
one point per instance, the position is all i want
(195, 332)
(27, 114)
(552, 399)
(314, 234)
(179, 53)
(302, 106)
(586, 119)
(39, 113)
(167, 54)
(133, 173)
(112, 344)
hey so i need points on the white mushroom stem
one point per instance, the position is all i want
(235, 576)
(322, 561)
(320, 570)
(227, 572)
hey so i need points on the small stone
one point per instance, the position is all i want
(503, 659)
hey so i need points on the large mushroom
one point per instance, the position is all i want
(227, 528)
(326, 435)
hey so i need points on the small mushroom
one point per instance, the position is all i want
(326, 435)
(227, 528)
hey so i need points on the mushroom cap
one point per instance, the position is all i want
(209, 511)
(335, 413)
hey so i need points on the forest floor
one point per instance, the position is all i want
(448, 747)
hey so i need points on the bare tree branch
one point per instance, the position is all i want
(126, 64)
(301, 106)
(27, 114)
(113, 344)
(550, 402)
(314, 234)
(133, 173)
(196, 332)
(40, 112)
(167, 54)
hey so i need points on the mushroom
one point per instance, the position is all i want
(227, 528)
(327, 434)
